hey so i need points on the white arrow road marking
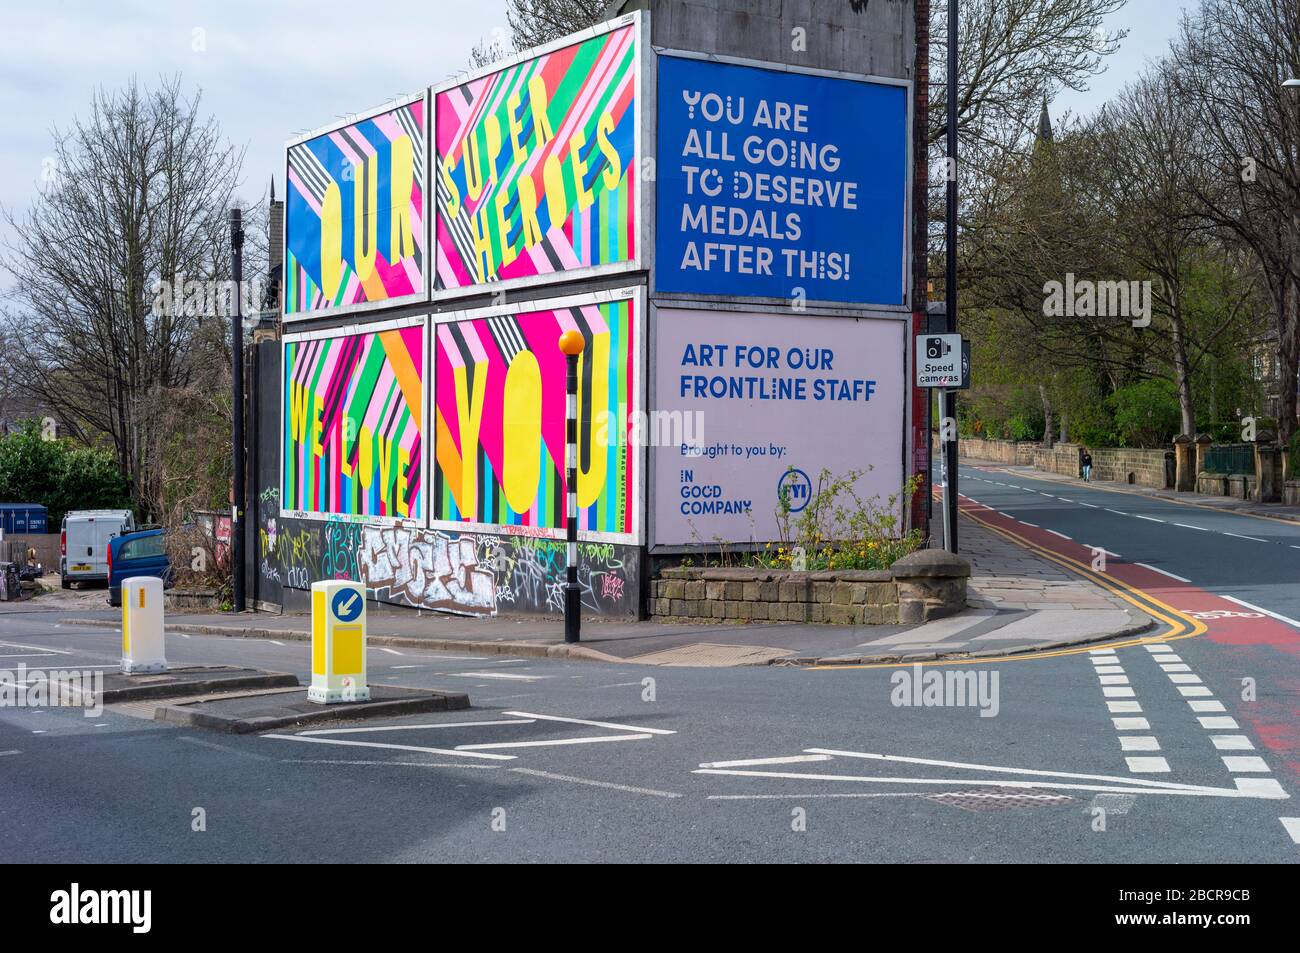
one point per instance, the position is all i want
(593, 724)
(376, 744)
(449, 724)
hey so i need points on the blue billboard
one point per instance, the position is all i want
(773, 184)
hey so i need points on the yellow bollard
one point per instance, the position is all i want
(338, 643)
(142, 626)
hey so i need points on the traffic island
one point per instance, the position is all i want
(118, 687)
(247, 713)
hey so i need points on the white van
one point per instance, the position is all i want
(83, 543)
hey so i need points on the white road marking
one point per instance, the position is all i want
(449, 724)
(1120, 512)
(1101, 652)
(1131, 724)
(1194, 691)
(1176, 667)
(1114, 679)
(557, 741)
(1109, 669)
(389, 651)
(13, 751)
(1163, 572)
(595, 784)
(1207, 706)
(1103, 549)
(507, 675)
(1260, 787)
(38, 648)
(1292, 827)
(1027, 523)
(758, 762)
(1267, 612)
(1117, 691)
(1055, 533)
(1139, 743)
(274, 642)
(1189, 526)
(1119, 708)
(1232, 743)
(1153, 649)
(1149, 519)
(1148, 765)
(377, 744)
(388, 764)
(593, 724)
(29, 655)
(1254, 539)
(1215, 724)
(1245, 763)
(1186, 678)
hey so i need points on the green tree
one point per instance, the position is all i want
(59, 474)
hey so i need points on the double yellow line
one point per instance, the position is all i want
(1181, 625)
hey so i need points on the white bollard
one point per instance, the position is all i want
(142, 626)
(338, 642)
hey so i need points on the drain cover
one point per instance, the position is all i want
(996, 799)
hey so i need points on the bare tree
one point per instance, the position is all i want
(1234, 57)
(137, 201)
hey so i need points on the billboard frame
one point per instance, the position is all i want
(642, 119)
(419, 320)
(638, 503)
(813, 305)
(421, 296)
(655, 548)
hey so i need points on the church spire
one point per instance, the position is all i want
(1045, 124)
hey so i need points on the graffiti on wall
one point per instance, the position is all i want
(473, 574)
(537, 166)
(499, 412)
(353, 434)
(354, 222)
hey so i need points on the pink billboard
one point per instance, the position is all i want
(769, 401)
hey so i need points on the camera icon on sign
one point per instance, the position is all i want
(936, 348)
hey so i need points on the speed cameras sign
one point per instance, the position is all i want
(939, 361)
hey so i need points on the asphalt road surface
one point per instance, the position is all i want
(1091, 755)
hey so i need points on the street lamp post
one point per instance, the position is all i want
(571, 343)
(949, 404)
(237, 408)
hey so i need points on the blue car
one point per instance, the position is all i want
(136, 554)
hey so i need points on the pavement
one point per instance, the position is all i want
(1019, 602)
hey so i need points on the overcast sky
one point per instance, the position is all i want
(272, 68)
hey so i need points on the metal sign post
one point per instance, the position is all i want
(571, 343)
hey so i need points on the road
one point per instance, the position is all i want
(1088, 756)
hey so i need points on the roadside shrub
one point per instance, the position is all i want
(840, 530)
(1146, 414)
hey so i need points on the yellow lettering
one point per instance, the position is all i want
(385, 467)
(365, 217)
(401, 242)
(492, 129)
(516, 127)
(331, 241)
(298, 413)
(613, 170)
(553, 183)
(537, 103)
(591, 479)
(365, 457)
(478, 228)
(521, 426)
(403, 465)
(445, 170)
(503, 228)
(472, 154)
(316, 425)
(531, 228)
(469, 417)
(576, 144)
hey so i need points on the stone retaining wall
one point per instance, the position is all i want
(928, 584)
(1139, 467)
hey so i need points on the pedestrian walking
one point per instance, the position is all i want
(1086, 460)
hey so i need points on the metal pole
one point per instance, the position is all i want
(950, 400)
(237, 409)
(945, 475)
(571, 343)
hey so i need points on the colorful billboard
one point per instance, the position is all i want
(354, 226)
(781, 184)
(499, 418)
(537, 165)
(353, 423)
(778, 398)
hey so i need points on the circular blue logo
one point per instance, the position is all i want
(347, 604)
(795, 489)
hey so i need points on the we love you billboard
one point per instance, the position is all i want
(353, 430)
(499, 408)
(355, 226)
(537, 163)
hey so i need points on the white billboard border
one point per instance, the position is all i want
(637, 504)
(419, 320)
(415, 297)
(639, 20)
(654, 548)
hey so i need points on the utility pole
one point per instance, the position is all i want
(950, 279)
(237, 408)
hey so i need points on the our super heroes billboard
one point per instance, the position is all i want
(780, 184)
(771, 407)
(537, 165)
(355, 217)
